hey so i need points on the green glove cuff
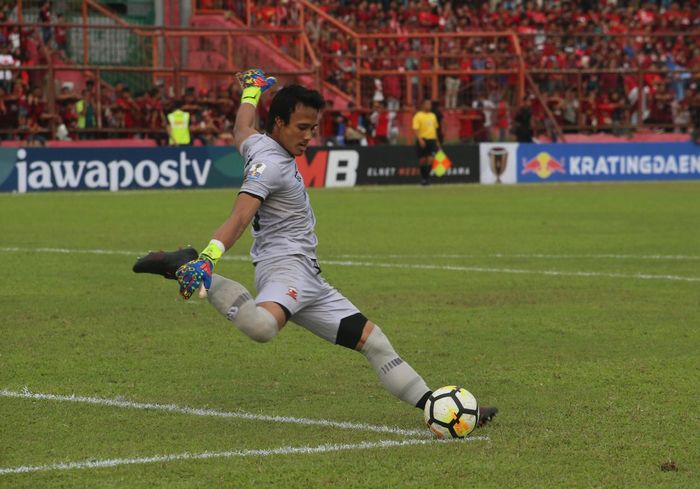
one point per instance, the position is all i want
(251, 95)
(213, 251)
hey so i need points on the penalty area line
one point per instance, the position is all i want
(173, 408)
(304, 450)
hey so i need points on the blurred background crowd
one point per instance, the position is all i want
(588, 78)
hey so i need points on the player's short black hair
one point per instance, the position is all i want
(286, 100)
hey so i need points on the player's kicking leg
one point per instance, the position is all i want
(486, 415)
(230, 298)
(165, 263)
(335, 319)
(354, 331)
(396, 375)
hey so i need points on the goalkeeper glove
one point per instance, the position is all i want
(198, 272)
(254, 83)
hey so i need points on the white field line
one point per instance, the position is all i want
(306, 450)
(414, 266)
(528, 255)
(425, 439)
(553, 273)
(15, 249)
(173, 408)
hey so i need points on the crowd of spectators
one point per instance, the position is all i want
(596, 64)
(403, 16)
(121, 114)
(622, 62)
(118, 113)
(610, 42)
(22, 104)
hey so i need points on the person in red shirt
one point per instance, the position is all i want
(610, 80)
(126, 111)
(154, 117)
(471, 123)
(392, 91)
(382, 123)
(60, 35)
(35, 107)
(603, 111)
(65, 106)
(4, 119)
(328, 118)
(356, 127)
(588, 104)
(660, 103)
(501, 122)
(265, 14)
(45, 21)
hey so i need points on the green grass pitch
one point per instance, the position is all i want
(573, 308)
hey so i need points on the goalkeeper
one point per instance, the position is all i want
(287, 275)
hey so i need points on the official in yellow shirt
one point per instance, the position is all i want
(179, 126)
(425, 125)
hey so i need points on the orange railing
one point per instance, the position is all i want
(421, 72)
(358, 43)
(104, 50)
(158, 50)
(157, 56)
(525, 78)
(114, 41)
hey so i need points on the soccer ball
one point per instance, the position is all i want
(451, 412)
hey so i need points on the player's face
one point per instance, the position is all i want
(295, 136)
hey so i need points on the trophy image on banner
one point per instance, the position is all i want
(498, 160)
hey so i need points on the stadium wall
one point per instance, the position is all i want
(119, 168)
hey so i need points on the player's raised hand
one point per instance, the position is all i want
(255, 78)
(194, 274)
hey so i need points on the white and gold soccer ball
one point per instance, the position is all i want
(451, 412)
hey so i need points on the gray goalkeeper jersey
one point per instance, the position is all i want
(284, 224)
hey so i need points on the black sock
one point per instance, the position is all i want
(425, 172)
(421, 404)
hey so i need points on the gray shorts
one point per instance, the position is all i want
(295, 282)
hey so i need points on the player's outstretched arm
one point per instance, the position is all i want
(254, 83)
(197, 273)
(243, 212)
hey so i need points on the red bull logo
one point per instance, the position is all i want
(543, 165)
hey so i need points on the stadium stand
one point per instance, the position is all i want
(585, 58)
(612, 69)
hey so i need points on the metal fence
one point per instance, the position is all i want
(458, 70)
